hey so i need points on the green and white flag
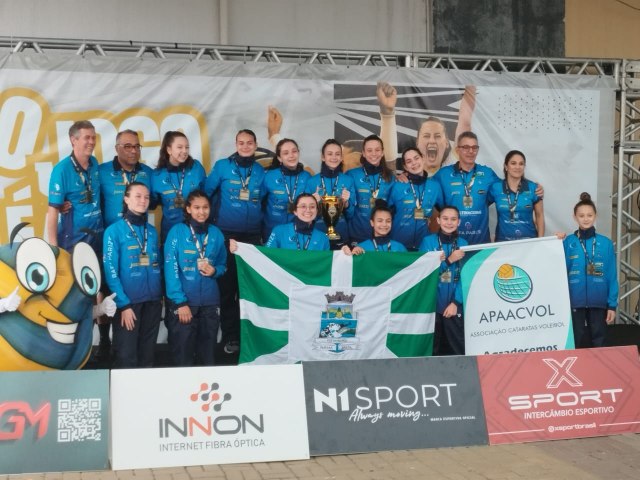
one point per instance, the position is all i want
(308, 305)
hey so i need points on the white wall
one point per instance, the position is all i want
(395, 25)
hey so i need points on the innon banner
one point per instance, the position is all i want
(563, 123)
(394, 404)
(200, 416)
(516, 297)
(556, 395)
(54, 421)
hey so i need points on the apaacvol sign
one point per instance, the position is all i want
(208, 415)
(371, 405)
(555, 395)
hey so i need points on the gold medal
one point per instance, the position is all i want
(591, 269)
(88, 197)
(372, 202)
(445, 277)
(244, 194)
(467, 201)
(178, 202)
(418, 213)
(202, 262)
(143, 260)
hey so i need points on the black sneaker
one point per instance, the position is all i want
(232, 346)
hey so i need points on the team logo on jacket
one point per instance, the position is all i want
(338, 325)
(512, 283)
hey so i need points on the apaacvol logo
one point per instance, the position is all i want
(338, 325)
(512, 283)
(207, 394)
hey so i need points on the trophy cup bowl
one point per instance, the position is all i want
(331, 208)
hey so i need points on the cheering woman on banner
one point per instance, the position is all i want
(520, 210)
(133, 272)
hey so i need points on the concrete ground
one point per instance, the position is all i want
(611, 458)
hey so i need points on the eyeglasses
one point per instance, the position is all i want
(469, 148)
(128, 147)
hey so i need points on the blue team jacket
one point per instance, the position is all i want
(447, 291)
(223, 185)
(285, 236)
(406, 228)
(601, 290)
(275, 194)
(164, 185)
(359, 226)
(474, 219)
(185, 285)
(113, 184)
(131, 282)
(522, 224)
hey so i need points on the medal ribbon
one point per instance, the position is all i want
(306, 241)
(178, 190)
(291, 193)
(512, 206)
(143, 247)
(83, 174)
(374, 190)
(453, 267)
(468, 186)
(375, 245)
(334, 186)
(420, 199)
(201, 249)
(244, 181)
(583, 244)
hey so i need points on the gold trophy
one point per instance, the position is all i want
(331, 208)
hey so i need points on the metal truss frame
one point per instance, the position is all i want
(626, 74)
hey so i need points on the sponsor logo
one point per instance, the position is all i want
(562, 373)
(16, 416)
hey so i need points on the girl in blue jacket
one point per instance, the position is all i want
(381, 222)
(592, 275)
(175, 177)
(283, 182)
(133, 272)
(300, 234)
(331, 181)
(194, 256)
(371, 181)
(449, 328)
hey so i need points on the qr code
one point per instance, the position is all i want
(79, 419)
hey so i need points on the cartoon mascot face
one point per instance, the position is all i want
(53, 326)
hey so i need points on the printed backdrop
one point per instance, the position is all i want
(563, 123)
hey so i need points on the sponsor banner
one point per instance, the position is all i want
(516, 298)
(304, 306)
(198, 416)
(556, 395)
(549, 117)
(373, 405)
(54, 421)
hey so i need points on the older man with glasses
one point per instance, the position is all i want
(117, 174)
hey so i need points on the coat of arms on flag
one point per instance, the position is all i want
(300, 306)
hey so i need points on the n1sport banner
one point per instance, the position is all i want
(516, 298)
(374, 405)
(300, 305)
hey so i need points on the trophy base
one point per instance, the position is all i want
(333, 235)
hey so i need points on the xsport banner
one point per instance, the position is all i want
(307, 305)
(563, 123)
(516, 297)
